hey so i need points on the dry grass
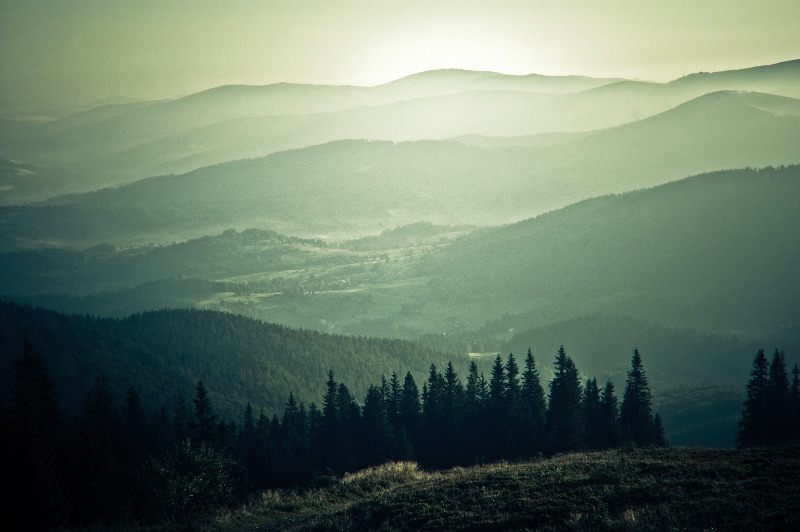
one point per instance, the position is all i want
(653, 489)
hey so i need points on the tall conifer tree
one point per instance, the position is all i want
(434, 451)
(204, 423)
(474, 420)
(752, 427)
(534, 405)
(498, 384)
(376, 441)
(609, 417)
(565, 420)
(779, 402)
(636, 415)
(592, 412)
(37, 492)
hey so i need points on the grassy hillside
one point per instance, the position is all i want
(674, 489)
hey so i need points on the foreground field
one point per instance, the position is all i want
(663, 489)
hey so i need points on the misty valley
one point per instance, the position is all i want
(313, 297)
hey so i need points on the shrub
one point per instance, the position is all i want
(191, 482)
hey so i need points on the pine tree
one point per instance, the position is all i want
(204, 423)
(433, 451)
(475, 436)
(592, 412)
(636, 416)
(611, 432)
(515, 418)
(330, 402)
(512, 382)
(565, 417)
(778, 401)
(453, 429)
(376, 440)
(393, 400)
(752, 427)
(295, 435)
(38, 497)
(270, 470)
(534, 406)
(248, 444)
(495, 411)
(330, 443)
(410, 408)
(498, 385)
(350, 421)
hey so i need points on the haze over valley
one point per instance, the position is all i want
(517, 209)
(391, 211)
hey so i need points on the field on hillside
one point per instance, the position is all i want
(662, 489)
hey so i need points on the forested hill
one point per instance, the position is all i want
(164, 353)
(715, 252)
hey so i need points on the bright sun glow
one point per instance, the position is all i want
(430, 48)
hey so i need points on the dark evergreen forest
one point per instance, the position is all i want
(120, 460)
(164, 353)
(771, 413)
(129, 453)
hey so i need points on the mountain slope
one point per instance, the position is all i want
(715, 251)
(163, 354)
(119, 144)
(352, 188)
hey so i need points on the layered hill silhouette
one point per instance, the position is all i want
(113, 145)
(283, 203)
(705, 264)
(713, 252)
(357, 187)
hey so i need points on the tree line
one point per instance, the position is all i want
(771, 413)
(117, 461)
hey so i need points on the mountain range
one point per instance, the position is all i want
(113, 145)
(470, 212)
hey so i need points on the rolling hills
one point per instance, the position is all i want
(118, 144)
(698, 274)
(353, 188)
(469, 211)
(714, 252)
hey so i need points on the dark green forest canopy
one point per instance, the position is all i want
(164, 353)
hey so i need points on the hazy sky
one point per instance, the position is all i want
(56, 53)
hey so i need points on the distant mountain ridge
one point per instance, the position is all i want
(353, 188)
(117, 144)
